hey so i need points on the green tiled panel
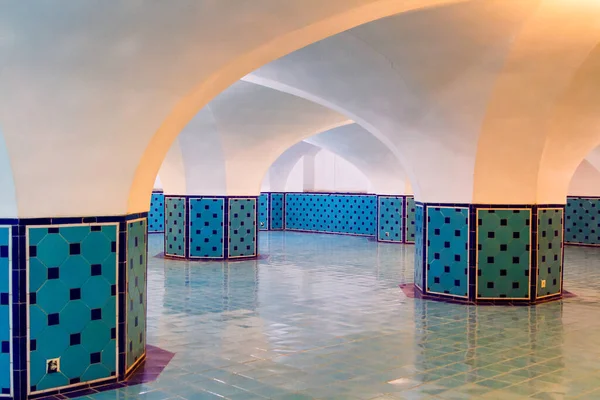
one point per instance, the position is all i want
(242, 227)
(448, 251)
(550, 236)
(136, 290)
(410, 219)
(276, 206)
(175, 220)
(390, 210)
(503, 266)
(582, 221)
(420, 237)
(72, 303)
(5, 292)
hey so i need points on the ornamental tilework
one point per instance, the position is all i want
(550, 235)
(175, 220)
(347, 214)
(136, 291)
(276, 205)
(72, 304)
(419, 224)
(263, 212)
(410, 219)
(156, 215)
(503, 253)
(391, 227)
(242, 227)
(448, 251)
(5, 325)
(582, 222)
(207, 219)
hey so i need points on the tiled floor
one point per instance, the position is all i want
(323, 318)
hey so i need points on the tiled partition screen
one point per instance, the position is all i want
(72, 302)
(388, 218)
(582, 225)
(490, 254)
(211, 227)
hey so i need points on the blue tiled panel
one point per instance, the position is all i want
(175, 220)
(156, 215)
(276, 211)
(136, 290)
(448, 251)
(207, 219)
(72, 303)
(347, 214)
(582, 222)
(419, 225)
(391, 227)
(242, 227)
(410, 219)
(263, 211)
(5, 295)
(550, 234)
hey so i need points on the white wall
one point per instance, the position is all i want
(586, 181)
(295, 180)
(335, 174)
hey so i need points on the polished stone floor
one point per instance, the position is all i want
(322, 317)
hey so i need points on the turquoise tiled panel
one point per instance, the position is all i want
(263, 211)
(332, 213)
(550, 236)
(391, 227)
(582, 221)
(5, 292)
(503, 253)
(242, 227)
(156, 215)
(72, 303)
(276, 211)
(136, 290)
(175, 220)
(410, 219)
(207, 217)
(448, 251)
(419, 224)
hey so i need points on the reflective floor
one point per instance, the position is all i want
(323, 318)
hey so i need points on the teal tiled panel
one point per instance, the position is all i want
(242, 227)
(156, 215)
(410, 219)
(331, 213)
(5, 295)
(503, 253)
(448, 251)
(207, 219)
(550, 242)
(276, 206)
(263, 211)
(136, 290)
(72, 303)
(391, 226)
(582, 221)
(419, 225)
(175, 220)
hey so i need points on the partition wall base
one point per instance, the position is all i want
(489, 254)
(72, 303)
(211, 227)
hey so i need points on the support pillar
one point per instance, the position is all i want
(72, 303)
(211, 227)
(489, 254)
